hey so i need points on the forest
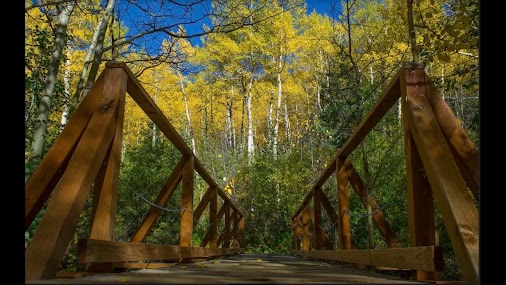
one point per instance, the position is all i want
(263, 91)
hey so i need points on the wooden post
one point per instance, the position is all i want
(105, 196)
(318, 231)
(343, 198)
(162, 199)
(187, 203)
(213, 221)
(57, 226)
(459, 212)
(305, 229)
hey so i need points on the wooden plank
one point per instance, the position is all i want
(456, 205)
(201, 207)
(329, 170)
(226, 231)
(318, 231)
(380, 108)
(429, 258)
(213, 219)
(163, 198)
(456, 135)
(343, 199)
(113, 251)
(105, 195)
(187, 202)
(57, 226)
(466, 173)
(378, 217)
(143, 265)
(207, 238)
(422, 230)
(305, 229)
(44, 179)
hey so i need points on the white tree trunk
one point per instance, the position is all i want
(39, 135)
(95, 50)
(188, 117)
(288, 130)
(269, 122)
(251, 144)
(66, 83)
(230, 128)
(278, 109)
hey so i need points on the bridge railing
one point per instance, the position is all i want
(87, 153)
(436, 144)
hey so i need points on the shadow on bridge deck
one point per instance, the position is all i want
(245, 269)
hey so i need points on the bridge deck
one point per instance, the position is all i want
(243, 268)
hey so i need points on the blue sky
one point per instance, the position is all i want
(320, 6)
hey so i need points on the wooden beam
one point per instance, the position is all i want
(378, 217)
(456, 205)
(105, 195)
(429, 258)
(163, 197)
(201, 207)
(422, 230)
(380, 108)
(456, 135)
(113, 251)
(57, 226)
(187, 202)
(305, 229)
(317, 221)
(44, 179)
(213, 219)
(343, 199)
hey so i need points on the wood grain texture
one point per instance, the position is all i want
(422, 230)
(113, 251)
(50, 170)
(56, 228)
(428, 258)
(467, 152)
(213, 218)
(458, 210)
(186, 230)
(163, 198)
(305, 229)
(105, 194)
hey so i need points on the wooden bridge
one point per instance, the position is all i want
(441, 162)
